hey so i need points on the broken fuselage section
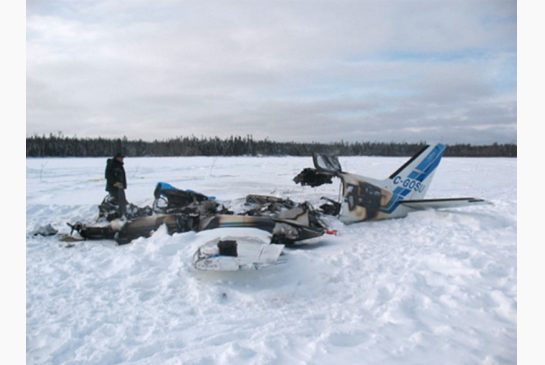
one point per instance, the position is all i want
(367, 199)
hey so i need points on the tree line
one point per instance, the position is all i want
(63, 146)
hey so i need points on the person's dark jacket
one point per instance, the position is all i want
(115, 172)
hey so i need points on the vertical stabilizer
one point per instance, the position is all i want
(412, 180)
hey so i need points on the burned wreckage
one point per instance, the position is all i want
(285, 222)
(288, 222)
(186, 210)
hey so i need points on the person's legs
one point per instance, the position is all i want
(122, 202)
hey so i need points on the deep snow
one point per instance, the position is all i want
(434, 287)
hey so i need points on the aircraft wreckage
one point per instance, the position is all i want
(287, 222)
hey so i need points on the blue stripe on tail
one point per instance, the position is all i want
(420, 173)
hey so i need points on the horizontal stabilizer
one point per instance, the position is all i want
(422, 204)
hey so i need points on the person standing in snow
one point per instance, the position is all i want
(116, 182)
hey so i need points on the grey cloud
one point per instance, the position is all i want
(322, 71)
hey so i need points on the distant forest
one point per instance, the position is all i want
(62, 146)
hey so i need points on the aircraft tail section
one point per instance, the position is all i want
(412, 179)
(365, 198)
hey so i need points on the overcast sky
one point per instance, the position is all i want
(405, 71)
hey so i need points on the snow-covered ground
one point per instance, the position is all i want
(436, 287)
